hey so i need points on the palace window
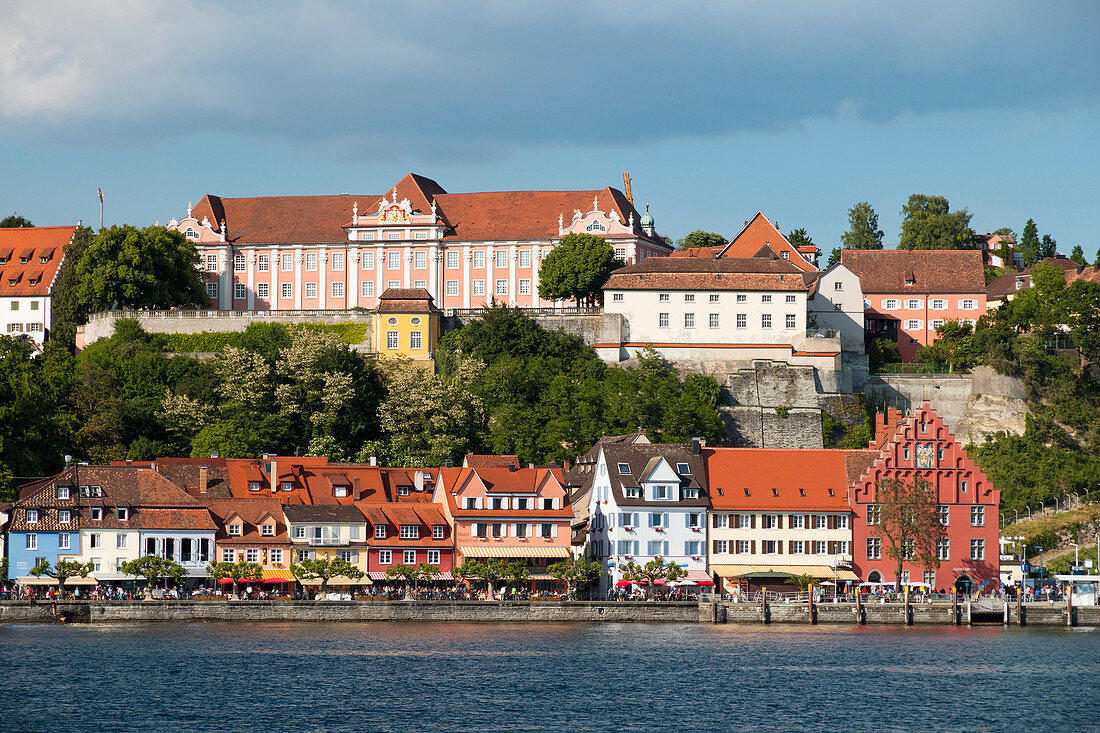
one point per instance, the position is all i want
(525, 287)
(238, 262)
(479, 287)
(367, 288)
(416, 340)
(479, 259)
(337, 261)
(211, 263)
(452, 260)
(525, 258)
(262, 290)
(420, 260)
(286, 290)
(367, 262)
(391, 340)
(393, 261)
(212, 290)
(502, 287)
(452, 287)
(240, 291)
(286, 263)
(311, 290)
(501, 257)
(338, 290)
(311, 262)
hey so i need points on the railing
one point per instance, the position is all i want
(354, 313)
(563, 311)
(328, 541)
(917, 368)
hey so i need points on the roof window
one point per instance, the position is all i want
(802, 492)
(624, 468)
(832, 493)
(747, 493)
(775, 492)
(683, 468)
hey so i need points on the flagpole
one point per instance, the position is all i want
(99, 189)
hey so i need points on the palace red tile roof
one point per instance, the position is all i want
(899, 271)
(32, 244)
(493, 215)
(406, 300)
(776, 479)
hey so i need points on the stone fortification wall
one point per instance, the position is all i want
(772, 405)
(973, 405)
(102, 325)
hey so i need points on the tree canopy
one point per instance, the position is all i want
(139, 268)
(863, 231)
(1078, 256)
(908, 522)
(700, 238)
(1029, 245)
(14, 221)
(929, 223)
(577, 268)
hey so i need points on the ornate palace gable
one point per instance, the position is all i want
(198, 231)
(600, 223)
(921, 444)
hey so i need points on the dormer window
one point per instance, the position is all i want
(286, 486)
(63, 492)
(595, 227)
(624, 468)
(402, 490)
(631, 492)
(832, 493)
(253, 485)
(340, 491)
(660, 492)
(64, 516)
(123, 514)
(97, 514)
(190, 233)
(43, 260)
(267, 530)
(691, 493)
(410, 532)
(775, 492)
(234, 530)
(802, 492)
(747, 493)
(471, 502)
(785, 255)
(380, 532)
(32, 516)
(683, 468)
(437, 531)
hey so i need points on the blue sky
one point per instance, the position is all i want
(717, 109)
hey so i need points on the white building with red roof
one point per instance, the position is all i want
(30, 258)
(278, 253)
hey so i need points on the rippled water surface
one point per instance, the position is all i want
(577, 677)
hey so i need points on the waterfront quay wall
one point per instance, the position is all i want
(1034, 614)
(451, 611)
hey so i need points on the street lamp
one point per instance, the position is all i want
(1076, 554)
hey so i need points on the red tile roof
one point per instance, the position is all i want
(31, 243)
(478, 462)
(928, 270)
(193, 519)
(728, 273)
(492, 215)
(406, 300)
(789, 472)
(760, 232)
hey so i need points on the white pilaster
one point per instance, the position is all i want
(322, 284)
(467, 281)
(353, 287)
(513, 283)
(250, 284)
(299, 267)
(490, 275)
(225, 288)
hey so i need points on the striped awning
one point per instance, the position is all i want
(513, 551)
(47, 580)
(822, 572)
(276, 574)
(338, 580)
(374, 575)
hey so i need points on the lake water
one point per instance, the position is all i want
(576, 677)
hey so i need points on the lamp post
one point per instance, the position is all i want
(1076, 554)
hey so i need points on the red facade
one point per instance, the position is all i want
(920, 444)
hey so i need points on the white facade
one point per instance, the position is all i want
(26, 316)
(837, 306)
(193, 549)
(640, 533)
(105, 549)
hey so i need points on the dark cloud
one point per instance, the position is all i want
(462, 81)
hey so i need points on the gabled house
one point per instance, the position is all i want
(30, 258)
(512, 514)
(253, 530)
(758, 233)
(410, 534)
(647, 501)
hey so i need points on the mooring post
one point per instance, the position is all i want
(908, 618)
(969, 612)
(1006, 613)
(955, 605)
(1020, 608)
(859, 607)
(764, 604)
(1069, 605)
(810, 601)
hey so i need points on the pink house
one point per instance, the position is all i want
(920, 288)
(342, 251)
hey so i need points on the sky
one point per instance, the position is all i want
(717, 109)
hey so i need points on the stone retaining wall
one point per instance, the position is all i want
(1035, 614)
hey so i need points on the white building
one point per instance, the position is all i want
(647, 501)
(836, 306)
(30, 258)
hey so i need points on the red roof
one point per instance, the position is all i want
(777, 479)
(899, 271)
(32, 244)
(477, 462)
(491, 215)
(759, 232)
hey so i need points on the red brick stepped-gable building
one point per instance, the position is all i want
(920, 288)
(338, 252)
(920, 444)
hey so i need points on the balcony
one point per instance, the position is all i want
(328, 541)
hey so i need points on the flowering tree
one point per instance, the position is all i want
(654, 570)
(908, 522)
(235, 571)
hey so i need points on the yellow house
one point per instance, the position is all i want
(406, 323)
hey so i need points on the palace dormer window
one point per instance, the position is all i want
(190, 233)
(595, 227)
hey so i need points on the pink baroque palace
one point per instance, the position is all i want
(276, 253)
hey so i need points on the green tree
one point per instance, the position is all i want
(154, 569)
(953, 346)
(882, 351)
(408, 574)
(140, 268)
(908, 523)
(492, 571)
(1078, 256)
(801, 238)
(516, 574)
(929, 223)
(15, 221)
(863, 231)
(654, 570)
(238, 572)
(575, 572)
(69, 312)
(1047, 247)
(228, 439)
(36, 423)
(1029, 247)
(325, 569)
(577, 268)
(64, 570)
(699, 238)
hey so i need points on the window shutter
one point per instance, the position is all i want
(735, 521)
(830, 522)
(806, 522)
(779, 521)
(752, 523)
(779, 547)
(752, 546)
(832, 547)
(665, 523)
(790, 546)
(714, 546)
(554, 530)
(666, 548)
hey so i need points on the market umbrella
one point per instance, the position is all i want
(624, 584)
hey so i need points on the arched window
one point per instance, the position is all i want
(595, 227)
(874, 577)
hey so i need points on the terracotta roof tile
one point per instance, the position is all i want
(406, 300)
(740, 273)
(478, 462)
(760, 232)
(33, 243)
(930, 270)
(788, 473)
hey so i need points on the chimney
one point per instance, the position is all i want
(274, 476)
(697, 446)
(213, 454)
(449, 463)
(530, 465)
(374, 460)
(418, 480)
(68, 461)
(203, 479)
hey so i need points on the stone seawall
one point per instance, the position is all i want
(474, 611)
(1034, 614)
